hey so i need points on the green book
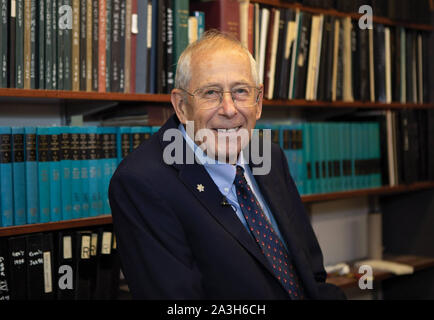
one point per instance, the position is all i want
(67, 53)
(48, 45)
(180, 28)
(4, 44)
(54, 54)
(33, 49)
(41, 45)
(19, 45)
(60, 57)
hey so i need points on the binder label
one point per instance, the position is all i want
(106, 243)
(85, 247)
(67, 247)
(48, 285)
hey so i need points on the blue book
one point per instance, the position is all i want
(113, 162)
(6, 182)
(376, 154)
(307, 159)
(200, 23)
(321, 174)
(354, 156)
(340, 143)
(106, 162)
(84, 171)
(328, 179)
(297, 142)
(65, 172)
(124, 142)
(43, 151)
(365, 154)
(348, 156)
(31, 168)
(94, 172)
(313, 155)
(139, 135)
(19, 176)
(54, 173)
(76, 197)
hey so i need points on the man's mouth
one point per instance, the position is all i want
(227, 130)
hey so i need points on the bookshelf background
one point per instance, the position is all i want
(68, 102)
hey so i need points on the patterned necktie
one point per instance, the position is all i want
(267, 239)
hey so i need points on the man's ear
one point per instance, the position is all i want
(259, 105)
(179, 104)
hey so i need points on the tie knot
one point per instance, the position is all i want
(239, 176)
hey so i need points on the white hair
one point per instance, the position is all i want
(211, 39)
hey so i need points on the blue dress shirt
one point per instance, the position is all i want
(223, 175)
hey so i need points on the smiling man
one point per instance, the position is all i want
(212, 229)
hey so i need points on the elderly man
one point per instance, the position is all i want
(210, 228)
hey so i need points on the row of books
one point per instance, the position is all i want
(400, 10)
(94, 45)
(328, 157)
(51, 174)
(327, 58)
(63, 265)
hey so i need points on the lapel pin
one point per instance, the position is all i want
(200, 187)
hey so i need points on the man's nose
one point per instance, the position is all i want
(228, 105)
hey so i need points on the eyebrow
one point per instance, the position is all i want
(233, 84)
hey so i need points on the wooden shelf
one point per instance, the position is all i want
(351, 281)
(165, 98)
(333, 12)
(52, 226)
(367, 192)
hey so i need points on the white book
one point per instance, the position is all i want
(388, 66)
(289, 44)
(272, 70)
(335, 59)
(265, 17)
(347, 94)
(318, 57)
(244, 22)
(312, 57)
(257, 14)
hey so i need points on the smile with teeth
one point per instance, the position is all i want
(228, 130)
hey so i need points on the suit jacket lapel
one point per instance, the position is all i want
(196, 178)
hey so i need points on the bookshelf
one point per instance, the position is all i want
(12, 94)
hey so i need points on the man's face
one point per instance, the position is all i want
(225, 68)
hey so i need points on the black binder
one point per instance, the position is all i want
(4, 271)
(35, 267)
(83, 265)
(17, 267)
(65, 266)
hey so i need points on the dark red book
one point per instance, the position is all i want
(223, 15)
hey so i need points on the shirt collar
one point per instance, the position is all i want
(223, 174)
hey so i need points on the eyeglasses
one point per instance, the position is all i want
(211, 97)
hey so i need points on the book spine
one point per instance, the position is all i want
(18, 174)
(67, 66)
(65, 172)
(94, 173)
(95, 35)
(170, 76)
(134, 32)
(116, 46)
(109, 44)
(41, 45)
(149, 45)
(54, 174)
(33, 42)
(82, 46)
(6, 193)
(113, 163)
(154, 48)
(31, 168)
(89, 49)
(128, 48)
(77, 45)
(43, 174)
(161, 86)
(106, 166)
(75, 173)
(48, 45)
(61, 30)
(27, 25)
(12, 44)
(180, 27)
(19, 44)
(102, 46)
(5, 292)
(4, 43)
(54, 49)
(84, 175)
(18, 267)
(122, 40)
(35, 266)
(142, 45)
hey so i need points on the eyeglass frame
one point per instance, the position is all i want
(222, 95)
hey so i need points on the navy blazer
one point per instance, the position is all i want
(178, 243)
